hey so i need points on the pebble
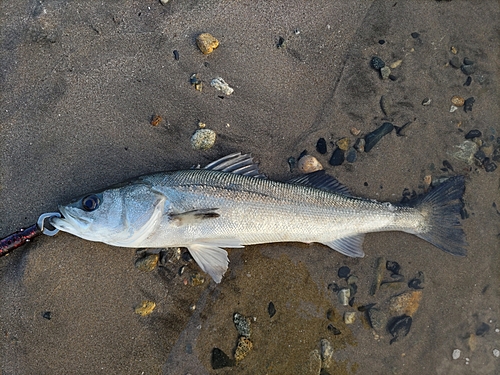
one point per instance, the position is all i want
(395, 64)
(196, 280)
(385, 105)
(206, 43)
(380, 271)
(242, 325)
(195, 81)
(145, 308)
(271, 310)
(343, 295)
(489, 166)
(377, 63)
(376, 318)
(176, 55)
(351, 155)
(220, 359)
(456, 354)
(453, 108)
(466, 152)
(155, 120)
(415, 35)
(474, 133)
(326, 353)
(385, 72)
(203, 139)
(468, 81)
(321, 146)
(406, 303)
(454, 50)
(482, 329)
(455, 62)
(375, 136)
(281, 42)
(349, 317)
(333, 329)
(392, 266)
(457, 101)
(416, 282)
(344, 272)
(496, 353)
(309, 164)
(343, 143)
(244, 347)
(399, 327)
(467, 69)
(355, 131)
(469, 102)
(313, 366)
(360, 144)
(426, 101)
(468, 61)
(221, 85)
(47, 315)
(147, 263)
(337, 157)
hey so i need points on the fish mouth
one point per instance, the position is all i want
(69, 222)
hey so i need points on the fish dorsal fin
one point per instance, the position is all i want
(211, 258)
(321, 180)
(237, 163)
(350, 246)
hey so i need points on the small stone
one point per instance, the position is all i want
(343, 143)
(360, 144)
(349, 317)
(203, 139)
(221, 85)
(344, 272)
(380, 271)
(321, 146)
(416, 282)
(393, 267)
(489, 166)
(333, 329)
(468, 61)
(455, 62)
(309, 164)
(399, 327)
(176, 54)
(496, 353)
(415, 35)
(377, 63)
(376, 318)
(351, 155)
(381, 42)
(244, 347)
(466, 152)
(337, 157)
(147, 263)
(206, 43)
(385, 105)
(271, 310)
(343, 295)
(155, 120)
(326, 353)
(164, 2)
(355, 131)
(385, 72)
(482, 329)
(480, 156)
(406, 303)
(469, 102)
(467, 69)
(395, 64)
(145, 308)
(474, 133)
(47, 315)
(375, 136)
(457, 101)
(426, 101)
(313, 365)
(468, 81)
(456, 354)
(242, 325)
(454, 50)
(220, 359)
(352, 280)
(196, 280)
(281, 42)
(453, 108)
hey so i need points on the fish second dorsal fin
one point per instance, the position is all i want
(237, 163)
(321, 180)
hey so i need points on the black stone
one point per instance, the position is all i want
(447, 165)
(186, 256)
(333, 329)
(455, 62)
(271, 309)
(394, 267)
(415, 35)
(47, 315)
(381, 41)
(392, 77)
(353, 289)
(372, 138)
(344, 272)
(468, 61)
(281, 42)
(467, 69)
(415, 283)
(469, 102)
(482, 329)
(377, 63)
(468, 81)
(474, 133)
(351, 155)
(176, 54)
(489, 166)
(321, 146)
(302, 154)
(480, 156)
(334, 287)
(399, 327)
(220, 359)
(337, 157)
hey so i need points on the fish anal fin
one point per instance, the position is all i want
(211, 258)
(351, 246)
(193, 217)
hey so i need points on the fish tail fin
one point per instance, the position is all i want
(442, 208)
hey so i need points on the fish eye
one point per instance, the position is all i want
(90, 202)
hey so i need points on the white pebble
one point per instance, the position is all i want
(203, 139)
(456, 354)
(221, 85)
(496, 353)
(308, 164)
(453, 108)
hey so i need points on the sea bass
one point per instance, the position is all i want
(229, 204)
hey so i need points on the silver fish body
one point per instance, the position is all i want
(229, 205)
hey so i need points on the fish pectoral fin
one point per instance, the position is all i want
(350, 246)
(211, 258)
(193, 217)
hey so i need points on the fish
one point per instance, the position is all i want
(230, 204)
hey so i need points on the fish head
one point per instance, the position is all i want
(120, 216)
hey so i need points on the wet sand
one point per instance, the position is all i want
(80, 83)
